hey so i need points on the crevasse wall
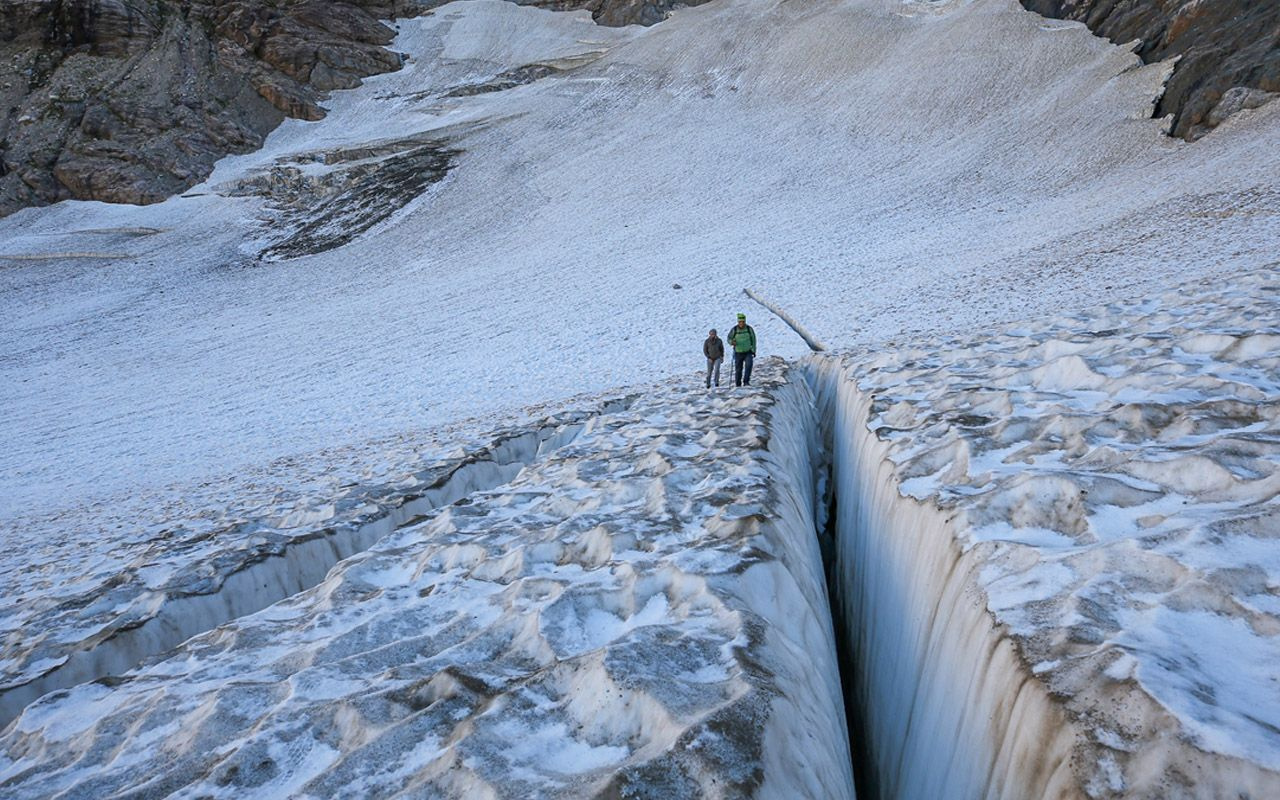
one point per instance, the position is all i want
(948, 708)
(806, 750)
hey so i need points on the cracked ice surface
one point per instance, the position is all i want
(206, 553)
(874, 166)
(644, 610)
(1117, 475)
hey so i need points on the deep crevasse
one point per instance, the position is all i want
(1054, 556)
(950, 710)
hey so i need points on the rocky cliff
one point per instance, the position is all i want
(1228, 50)
(134, 100)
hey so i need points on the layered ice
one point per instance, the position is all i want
(1057, 556)
(643, 613)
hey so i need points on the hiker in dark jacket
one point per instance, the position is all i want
(743, 338)
(713, 349)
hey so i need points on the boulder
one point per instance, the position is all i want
(1237, 99)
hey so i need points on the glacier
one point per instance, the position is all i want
(642, 610)
(312, 489)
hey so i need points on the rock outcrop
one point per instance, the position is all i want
(314, 212)
(133, 102)
(1228, 50)
(616, 12)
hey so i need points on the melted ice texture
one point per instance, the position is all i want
(1121, 468)
(646, 608)
(175, 410)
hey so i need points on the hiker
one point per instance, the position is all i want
(713, 349)
(743, 338)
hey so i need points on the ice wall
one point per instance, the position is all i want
(1054, 551)
(805, 756)
(948, 705)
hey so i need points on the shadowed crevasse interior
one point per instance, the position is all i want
(938, 702)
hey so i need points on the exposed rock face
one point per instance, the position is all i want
(134, 101)
(1226, 48)
(616, 12)
(312, 213)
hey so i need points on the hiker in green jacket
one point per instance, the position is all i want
(742, 338)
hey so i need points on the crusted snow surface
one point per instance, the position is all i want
(163, 572)
(873, 165)
(1116, 474)
(644, 612)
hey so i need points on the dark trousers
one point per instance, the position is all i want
(742, 369)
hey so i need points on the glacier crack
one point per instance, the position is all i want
(938, 699)
(271, 575)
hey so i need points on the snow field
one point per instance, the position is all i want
(1037, 531)
(646, 609)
